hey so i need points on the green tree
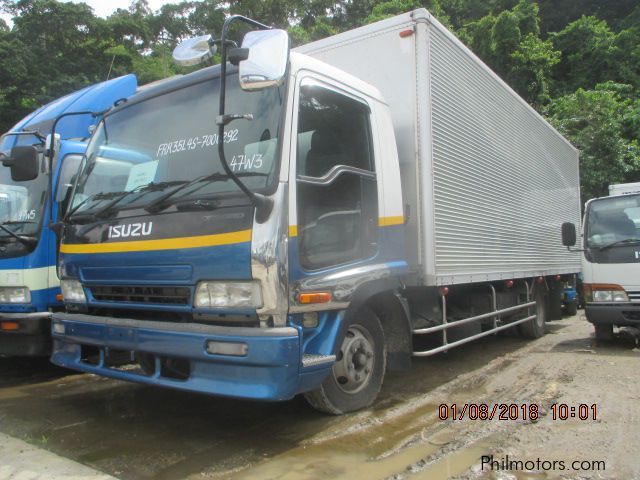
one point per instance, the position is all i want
(531, 67)
(588, 53)
(54, 48)
(395, 7)
(598, 122)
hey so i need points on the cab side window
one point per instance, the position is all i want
(337, 196)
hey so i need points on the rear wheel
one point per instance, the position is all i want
(356, 377)
(604, 332)
(571, 308)
(535, 328)
(554, 302)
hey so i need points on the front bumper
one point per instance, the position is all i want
(31, 338)
(624, 314)
(271, 369)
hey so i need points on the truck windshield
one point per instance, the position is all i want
(169, 141)
(613, 221)
(21, 203)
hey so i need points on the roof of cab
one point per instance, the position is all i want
(95, 98)
(298, 62)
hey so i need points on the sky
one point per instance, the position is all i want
(104, 8)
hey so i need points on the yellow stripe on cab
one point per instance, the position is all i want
(241, 236)
(382, 222)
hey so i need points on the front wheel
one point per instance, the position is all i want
(356, 377)
(604, 333)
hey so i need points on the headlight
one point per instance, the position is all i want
(15, 295)
(72, 291)
(604, 293)
(228, 294)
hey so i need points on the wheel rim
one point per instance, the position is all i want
(354, 367)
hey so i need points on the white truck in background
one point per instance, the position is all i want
(611, 259)
(373, 196)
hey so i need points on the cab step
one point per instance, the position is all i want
(313, 360)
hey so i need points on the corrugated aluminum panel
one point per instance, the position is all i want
(487, 180)
(503, 180)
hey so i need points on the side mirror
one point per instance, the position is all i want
(194, 51)
(568, 234)
(266, 65)
(24, 163)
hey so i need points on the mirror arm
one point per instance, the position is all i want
(35, 133)
(262, 204)
(50, 154)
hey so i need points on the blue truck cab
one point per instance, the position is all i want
(29, 284)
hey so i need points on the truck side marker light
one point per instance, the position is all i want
(227, 348)
(9, 326)
(314, 297)
(508, 283)
(59, 297)
(443, 291)
(406, 33)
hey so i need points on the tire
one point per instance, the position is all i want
(535, 328)
(356, 377)
(571, 308)
(604, 333)
(554, 300)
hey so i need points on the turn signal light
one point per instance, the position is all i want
(314, 297)
(9, 326)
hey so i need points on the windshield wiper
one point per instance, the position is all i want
(95, 196)
(142, 190)
(161, 202)
(116, 198)
(626, 241)
(28, 241)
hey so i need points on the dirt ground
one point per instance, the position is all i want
(136, 432)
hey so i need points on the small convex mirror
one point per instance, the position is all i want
(266, 65)
(194, 51)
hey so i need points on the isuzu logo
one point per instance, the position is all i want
(131, 230)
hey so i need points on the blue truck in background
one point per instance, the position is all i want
(29, 284)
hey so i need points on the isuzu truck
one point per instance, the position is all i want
(302, 222)
(611, 259)
(29, 284)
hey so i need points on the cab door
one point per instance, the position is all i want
(334, 222)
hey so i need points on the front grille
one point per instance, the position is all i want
(138, 294)
(634, 296)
